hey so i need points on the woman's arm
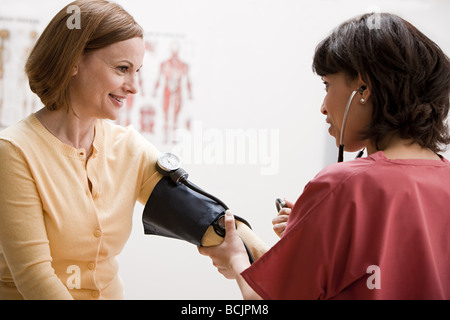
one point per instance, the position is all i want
(23, 237)
(230, 258)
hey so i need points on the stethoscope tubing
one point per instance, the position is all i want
(344, 123)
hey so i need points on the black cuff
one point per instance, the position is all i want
(175, 211)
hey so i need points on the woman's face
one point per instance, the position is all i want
(339, 89)
(104, 78)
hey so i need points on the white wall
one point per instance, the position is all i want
(251, 69)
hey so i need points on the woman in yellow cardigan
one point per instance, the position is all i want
(69, 180)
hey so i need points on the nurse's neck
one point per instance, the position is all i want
(397, 148)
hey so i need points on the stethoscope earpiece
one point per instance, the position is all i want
(344, 122)
(362, 89)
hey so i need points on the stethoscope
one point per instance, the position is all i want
(344, 122)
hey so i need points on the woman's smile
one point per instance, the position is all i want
(117, 100)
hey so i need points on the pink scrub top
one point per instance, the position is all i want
(372, 228)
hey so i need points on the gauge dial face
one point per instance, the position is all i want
(168, 162)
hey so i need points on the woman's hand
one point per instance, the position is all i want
(280, 221)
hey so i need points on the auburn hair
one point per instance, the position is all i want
(407, 73)
(51, 62)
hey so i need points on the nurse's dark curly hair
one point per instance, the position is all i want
(407, 73)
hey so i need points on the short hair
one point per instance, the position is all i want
(55, 54)
(407, 73)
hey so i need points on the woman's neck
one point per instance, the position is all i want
(68, 128)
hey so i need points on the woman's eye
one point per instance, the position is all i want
(122, 69)
(326, 85)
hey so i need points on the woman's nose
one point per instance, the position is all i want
(131, 85)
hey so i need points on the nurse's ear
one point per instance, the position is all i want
(363, 90)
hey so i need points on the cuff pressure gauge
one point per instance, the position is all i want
(169, 165)
(168, 162)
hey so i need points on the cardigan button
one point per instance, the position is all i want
(98, 233)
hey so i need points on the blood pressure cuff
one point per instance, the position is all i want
(176, 211)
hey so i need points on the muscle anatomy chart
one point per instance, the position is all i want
(172, 73)
(165, 89)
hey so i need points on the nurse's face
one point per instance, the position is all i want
(103, 79)
(339, 89)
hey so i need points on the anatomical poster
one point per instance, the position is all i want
(164, 101)
(17, 37)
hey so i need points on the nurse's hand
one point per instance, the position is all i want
(230, 257)
(280, 221)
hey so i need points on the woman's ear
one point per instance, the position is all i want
(77, 66)
(74, 70)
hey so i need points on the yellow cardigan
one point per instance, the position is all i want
(58, 238)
